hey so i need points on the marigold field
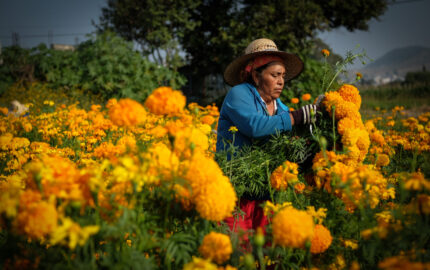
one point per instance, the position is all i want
(129, 185)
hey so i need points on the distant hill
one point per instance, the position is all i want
(396, 63)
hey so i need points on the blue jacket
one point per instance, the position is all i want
(244, 108)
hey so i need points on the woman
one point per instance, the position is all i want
(254, 108)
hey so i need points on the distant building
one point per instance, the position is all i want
(63, 47)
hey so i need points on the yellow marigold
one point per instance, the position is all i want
(233, 129)
(294, 100)
(350, 93)
(349, 243)
(363, 141)
(200, 264)
(212, 192)
(401, 262)
(325, 52)
(284, 175)
(417, 181)
(270, 208)
(189, 140)
(292, 228)
(306, 97)
(217, 247)
(319, 215)
(348, 123)
(126, 112)
(347, 109)
(165, 101)
(322, 239)
(162, 163)
(331, 99)
(382, 160)
(377, 137)
(74, 232)
(36, 218)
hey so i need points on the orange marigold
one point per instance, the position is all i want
(325, 52)
(292, 228)
(165, 101)
(322, 239)
(36, 218)
(217, 247)
(350, 93)
(306, 97)
(212, 191)
(284, 175)
(126, 112)
(382, 160)
(294, 100)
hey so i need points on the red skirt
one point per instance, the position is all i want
(252, 218)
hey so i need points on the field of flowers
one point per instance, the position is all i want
(138, 186)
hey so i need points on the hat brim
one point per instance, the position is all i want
(293, 65)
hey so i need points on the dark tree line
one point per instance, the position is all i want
(205, 35)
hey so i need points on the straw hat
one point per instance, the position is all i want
(262, 46)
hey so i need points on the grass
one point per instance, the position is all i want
(414, 98)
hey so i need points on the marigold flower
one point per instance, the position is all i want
(212, 192)
(350, 93)
(4, 110)
(417, 182)
(284, 175)
(217, 247)
(208, 119)
(321, 240)
(358, 76)
(74, 232)
(292, 228)
(233, 129)
(200, 264)
(294, 100)
(382, 160)
(189, 140)
(126, 112)
(306, 97)
(299, 187)
(325, 52)
(36, 218)
(165, 101)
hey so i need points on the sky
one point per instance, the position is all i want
(405, 23)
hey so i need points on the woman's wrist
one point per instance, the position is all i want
(292, 119)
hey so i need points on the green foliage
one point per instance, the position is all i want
(155, 25)
(112, 68)
(250, 167)
(212, 39)
(17, 66)
(105, 65)
(418, 77)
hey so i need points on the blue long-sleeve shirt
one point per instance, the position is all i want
(244, 109)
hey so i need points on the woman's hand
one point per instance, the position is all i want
(304, 115)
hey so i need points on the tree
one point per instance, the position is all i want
(156, 25)
(213, 32)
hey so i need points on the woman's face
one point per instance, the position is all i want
(271, 81)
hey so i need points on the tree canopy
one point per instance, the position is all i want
(211, 33)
